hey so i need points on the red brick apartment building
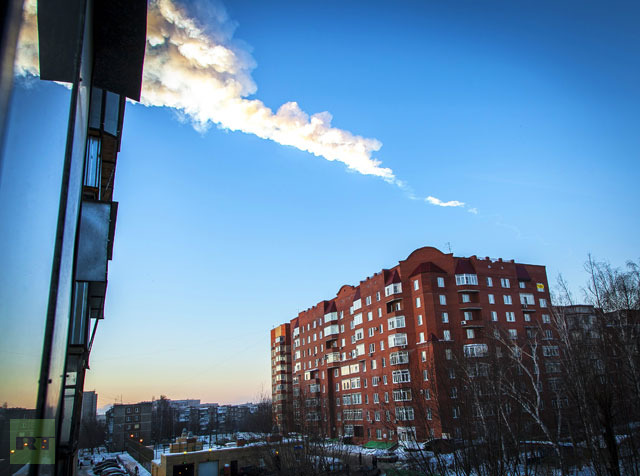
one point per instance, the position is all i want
(362, 363)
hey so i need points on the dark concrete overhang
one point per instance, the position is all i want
(119, 38)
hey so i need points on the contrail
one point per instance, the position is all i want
(199, 70)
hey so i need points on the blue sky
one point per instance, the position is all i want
(524, 111)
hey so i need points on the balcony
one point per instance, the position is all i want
(397, 340)
(475, 322)
(332, 330)
(394, 305)
(332, 358)
(330, 317)
(475, 350)
(470, 306)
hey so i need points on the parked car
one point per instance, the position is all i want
(102, 464)
(109, 468)
(111, 471)
(101, 469)
(386, 456)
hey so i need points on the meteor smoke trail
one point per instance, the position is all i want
(198, 70)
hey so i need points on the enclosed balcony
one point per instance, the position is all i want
(330, 317)
(333, 358)
(332, 330)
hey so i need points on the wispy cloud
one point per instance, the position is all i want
(440, 203)
(199, 70)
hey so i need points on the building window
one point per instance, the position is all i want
(396, 322)
(401, 376)
(372, 331)
(404, 413)
(494, 316)
(527, 299)
(443, 299)
(416, 284)
(513, 334)
(402, 395)
(418, 303)
(445, 317)
(470, 334)
(492, 299)
(504, 282)
(378, 296)
(543, 302)
(466, 279)
(511, 316)
(379, 312)
(393, 288)
(419, 319)
(466, 298)
(448, 354)
(425, 375)
(550, 351)
(440, 282)
(384, 380)
(489, 282)
(397, 340)
(546, 318)
(446, 334)
(468, 316)
(367, 301)
(421, 337)
(507, 299)
(372, 348)
(452, 374)
(397, 358)
(384, 362)
(369, 316)
(423, 356)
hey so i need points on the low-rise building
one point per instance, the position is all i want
(128, 421)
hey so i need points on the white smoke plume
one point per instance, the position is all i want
(198, 69)
(204, 75)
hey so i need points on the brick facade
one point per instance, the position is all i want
(357, 364)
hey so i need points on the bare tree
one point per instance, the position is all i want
(601, 358)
